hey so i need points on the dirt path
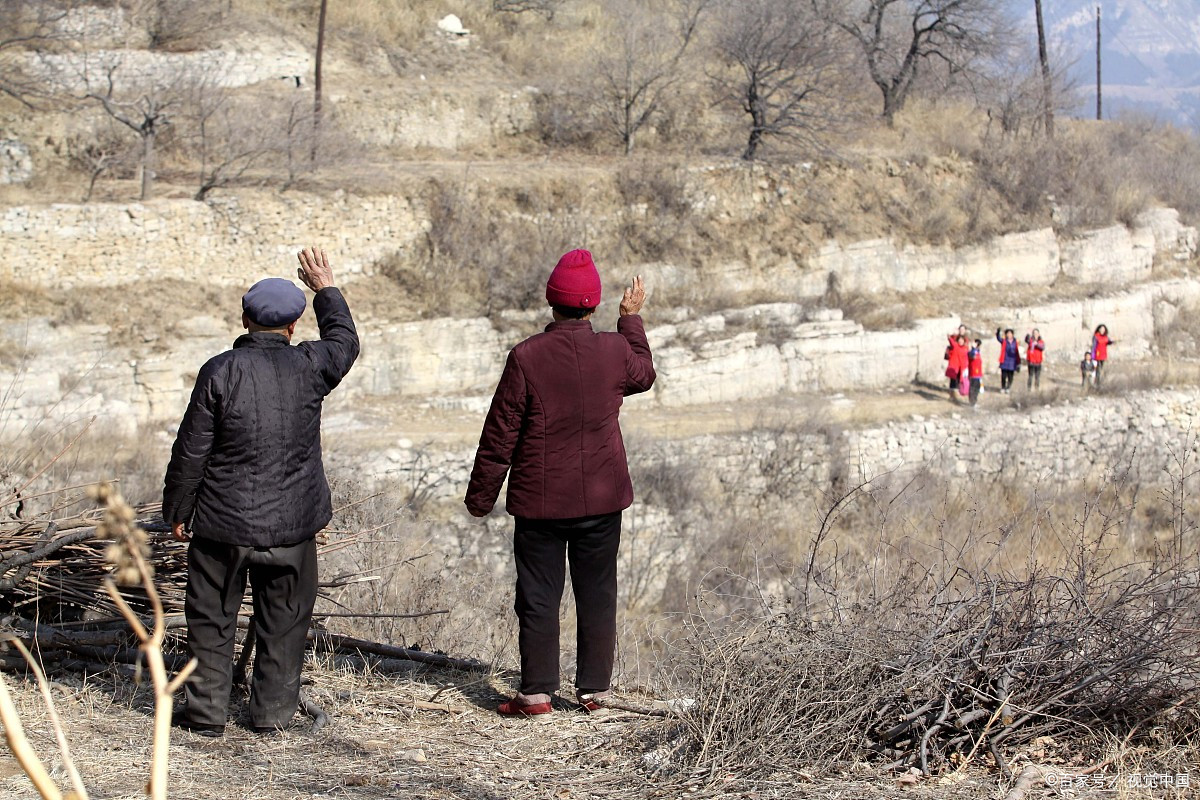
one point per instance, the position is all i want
(376, 423)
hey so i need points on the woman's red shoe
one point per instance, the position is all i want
(513, 708)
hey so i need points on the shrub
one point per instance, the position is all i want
(936, 645)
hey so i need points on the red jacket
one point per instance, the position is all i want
(976, 362)
(1035, 351)
(1100, 343)
(957, 356)
(553, 420)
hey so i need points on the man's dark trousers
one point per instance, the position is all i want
(590, 544)
(283, 581)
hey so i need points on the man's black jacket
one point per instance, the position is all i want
(246, 466)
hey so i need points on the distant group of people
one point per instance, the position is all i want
(964, 361)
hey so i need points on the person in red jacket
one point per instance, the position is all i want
(975, 371)
(1035, 353)
(956, 366)
(553, 429)
(1100, 343)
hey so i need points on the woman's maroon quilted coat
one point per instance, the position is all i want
(553, 422)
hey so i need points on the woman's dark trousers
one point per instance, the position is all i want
(590, 545)
(1034, 376)
(1006, 379)
(283, 581)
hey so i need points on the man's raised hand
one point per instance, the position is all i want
(314, 269)
(635, 296)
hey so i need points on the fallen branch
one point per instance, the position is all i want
(325, 641)
(1029, 776)
(319, 717)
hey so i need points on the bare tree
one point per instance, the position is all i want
(783, 68)
(317, 76)
(1021, 97)
(27, 27)
(145, 111)
(226, 135)
(642, 60)
(103, 150)
(897, 37)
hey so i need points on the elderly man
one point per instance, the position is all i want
(553, 420)
(246, 486)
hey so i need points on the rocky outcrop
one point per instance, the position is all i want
(744, 354)
(16, 165)
(230, 240)
(243, 61)
(1081, 440)
(233, 239)
(1112, 257)
(441, 117)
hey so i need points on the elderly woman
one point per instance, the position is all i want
(553, 429)
(1010, 358)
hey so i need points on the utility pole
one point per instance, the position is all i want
(312, 156)
(1099, 94)
(1047, 84)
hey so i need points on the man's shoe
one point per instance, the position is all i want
(513, 708)
(181, 721)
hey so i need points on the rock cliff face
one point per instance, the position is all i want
(750, 353)
(740, 354)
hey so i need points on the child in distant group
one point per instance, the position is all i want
(1087, 370)
(1035, 353)
(975, 371)
(1010, 358)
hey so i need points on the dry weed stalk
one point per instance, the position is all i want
(18, 743)
(128, 553)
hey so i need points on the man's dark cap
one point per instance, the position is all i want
(274, 303)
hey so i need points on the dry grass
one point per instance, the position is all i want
(955, 612)
(379, 746)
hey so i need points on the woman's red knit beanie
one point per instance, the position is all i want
(574, 283)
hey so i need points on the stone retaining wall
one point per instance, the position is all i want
(235, 238)
(1092, 439)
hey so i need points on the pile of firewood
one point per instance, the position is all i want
(53, 598)
(54, 571)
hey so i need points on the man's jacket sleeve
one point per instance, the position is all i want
(639, 365)
(189, 455)
(335, 353)
(498, 440)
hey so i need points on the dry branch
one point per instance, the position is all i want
(331, 641)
